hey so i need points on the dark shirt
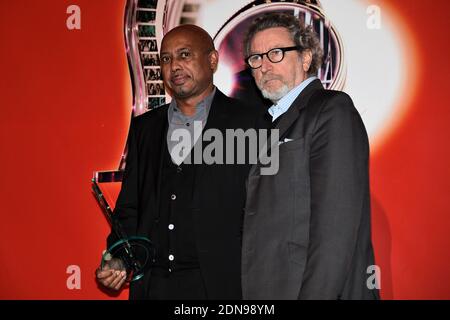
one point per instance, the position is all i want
(175, 234)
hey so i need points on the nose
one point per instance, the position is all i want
(266, 65)
(174, 65)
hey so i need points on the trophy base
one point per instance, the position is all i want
(134, 255)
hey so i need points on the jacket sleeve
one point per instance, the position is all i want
(339, 184)
(126, 209)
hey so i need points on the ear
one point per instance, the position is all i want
(306, 59)
(213, 60)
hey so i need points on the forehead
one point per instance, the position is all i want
(271, 38)
(178, 41)
(174, 47)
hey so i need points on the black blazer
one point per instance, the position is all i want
(307, 229)
(218, 196)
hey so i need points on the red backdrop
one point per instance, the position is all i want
(66, 101)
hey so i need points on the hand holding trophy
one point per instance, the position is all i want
(128, 258)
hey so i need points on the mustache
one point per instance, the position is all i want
(178, 74)
(175, 76)
(269, 77)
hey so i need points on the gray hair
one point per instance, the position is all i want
(303, 36)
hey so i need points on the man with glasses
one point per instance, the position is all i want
(307, 232)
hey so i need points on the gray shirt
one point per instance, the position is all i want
(178, 120)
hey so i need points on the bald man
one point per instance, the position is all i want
(191, 211)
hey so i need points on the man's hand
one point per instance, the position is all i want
(112, 276)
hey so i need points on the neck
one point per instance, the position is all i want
(297, 83)
(188, 105)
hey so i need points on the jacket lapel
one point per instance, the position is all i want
(158, 157)
(217, 114)
(217, 119)
(291, 115)
(289, 118)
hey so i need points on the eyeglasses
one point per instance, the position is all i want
(274, 55)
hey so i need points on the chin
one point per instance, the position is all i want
(275, 95)
(183, 93)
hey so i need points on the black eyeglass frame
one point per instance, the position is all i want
(261, 55)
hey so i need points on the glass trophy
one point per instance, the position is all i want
(132, 254)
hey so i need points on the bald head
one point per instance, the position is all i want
(192, 33)
(188, 62)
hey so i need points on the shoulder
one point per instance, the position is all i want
(335, 112)
(237, 108)
(146, 119)
(333, 104)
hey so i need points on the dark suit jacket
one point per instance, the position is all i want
(307, 229)
(218, 196)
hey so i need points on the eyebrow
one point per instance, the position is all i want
(182, 49)
(177, 51)
(274, 47)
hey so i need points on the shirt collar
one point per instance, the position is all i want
(283, 105)
(202, 109)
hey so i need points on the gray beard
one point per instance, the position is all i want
(275, 96)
